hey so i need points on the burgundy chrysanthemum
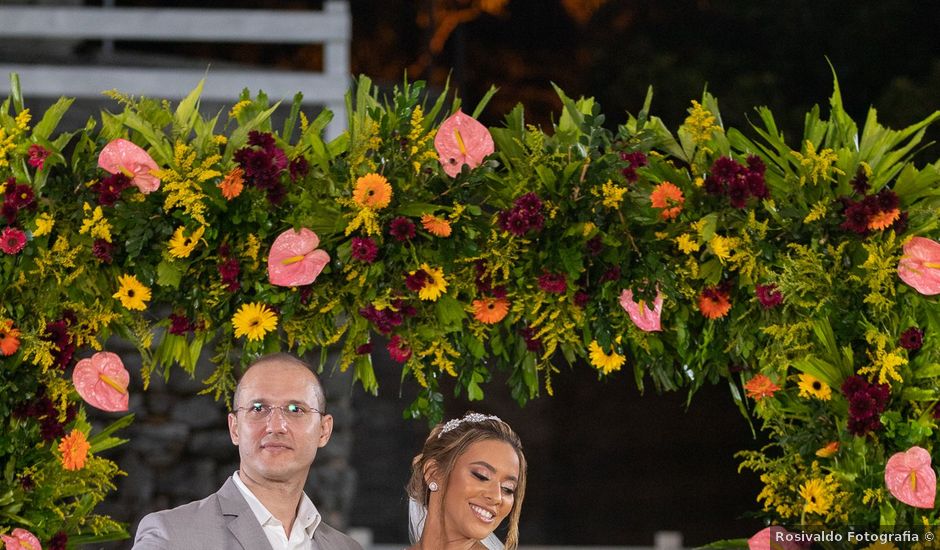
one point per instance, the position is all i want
(416, 281)
(180, 324)
(856, 217)
(581, 298)
(553, 283)
(63, 349)
(866, 403)
(299, 168)
(261, 139)
(398, 349)
(110, 188)
(402, 229)
(612, 274)
(768, 296)
(12, 240)
(364, 349)
(532, 343)
(860, 181)
(384, 320)
(20, 196)
(229, 271)
(364, 249)
(103, 250)
(524, 216)
(912, 339)
(637, 160)
(59, 541)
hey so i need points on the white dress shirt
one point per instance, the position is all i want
(301, 534)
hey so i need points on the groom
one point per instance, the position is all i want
(278, 422)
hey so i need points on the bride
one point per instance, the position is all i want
(468, 478)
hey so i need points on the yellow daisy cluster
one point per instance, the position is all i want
(883, 363)
(442, 354)
(816, 167)
(8, 140)
(95, 223)
(613, 194)
(687, 243)
(182, 181)
(419, 139)
(701, 123)
(132, 293)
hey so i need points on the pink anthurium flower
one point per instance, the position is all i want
(462, 140)
(911, 479)
(294, 259)
(102, 381)
(122, 156)
(774, 537)
(920, 265)
(644, 317)
(20, 539)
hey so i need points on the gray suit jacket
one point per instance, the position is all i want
(221, 521)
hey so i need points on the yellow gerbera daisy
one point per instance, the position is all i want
(254, 321)
(372, 191)
(810, 386)
(435, 286)
(816, 497)
(605, 362)
(182, 246)
(132, 293)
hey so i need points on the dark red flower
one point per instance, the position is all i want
(756, 164)
(59, 541)
(229, 271)
(416, 281)
(636, 160)
(594, 246)
(856, 217)
(103, 250)
(532, 343)
(37, 155)
(860, 181)
(612, 274)
(398, 349)
(364, 349)
(726, 169)
(364, 249)
(912, 339)
(299, 168)
(402, 229)
(553, 283)
(581, 298)
(768, 295)
(20, 196)
(110, 188)
(261, 139)
(63, 349)
(180, 324)
(738, 192)
(50, 428)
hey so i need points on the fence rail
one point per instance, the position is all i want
(331, 27)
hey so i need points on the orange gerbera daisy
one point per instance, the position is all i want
(830, 449)
(883, 220)
(372, 191)
(439, 227)
(233, 184)
(9, 338)
(668, 197)
(760, 387)
(74, 448)
(490, 310)
(714, 303)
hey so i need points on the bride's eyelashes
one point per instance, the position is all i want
(509, 491)
(481, 477)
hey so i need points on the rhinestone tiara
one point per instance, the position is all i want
(472, 417)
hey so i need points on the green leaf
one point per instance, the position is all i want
(169, 274)
(51, 118)
(187, 110)
(449, 311)
(486, 99)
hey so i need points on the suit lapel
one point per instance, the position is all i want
(240, 520)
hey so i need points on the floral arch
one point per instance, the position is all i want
(803, 273)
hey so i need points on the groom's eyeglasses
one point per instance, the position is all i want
(260, 412)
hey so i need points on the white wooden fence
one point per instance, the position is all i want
(331, 27)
